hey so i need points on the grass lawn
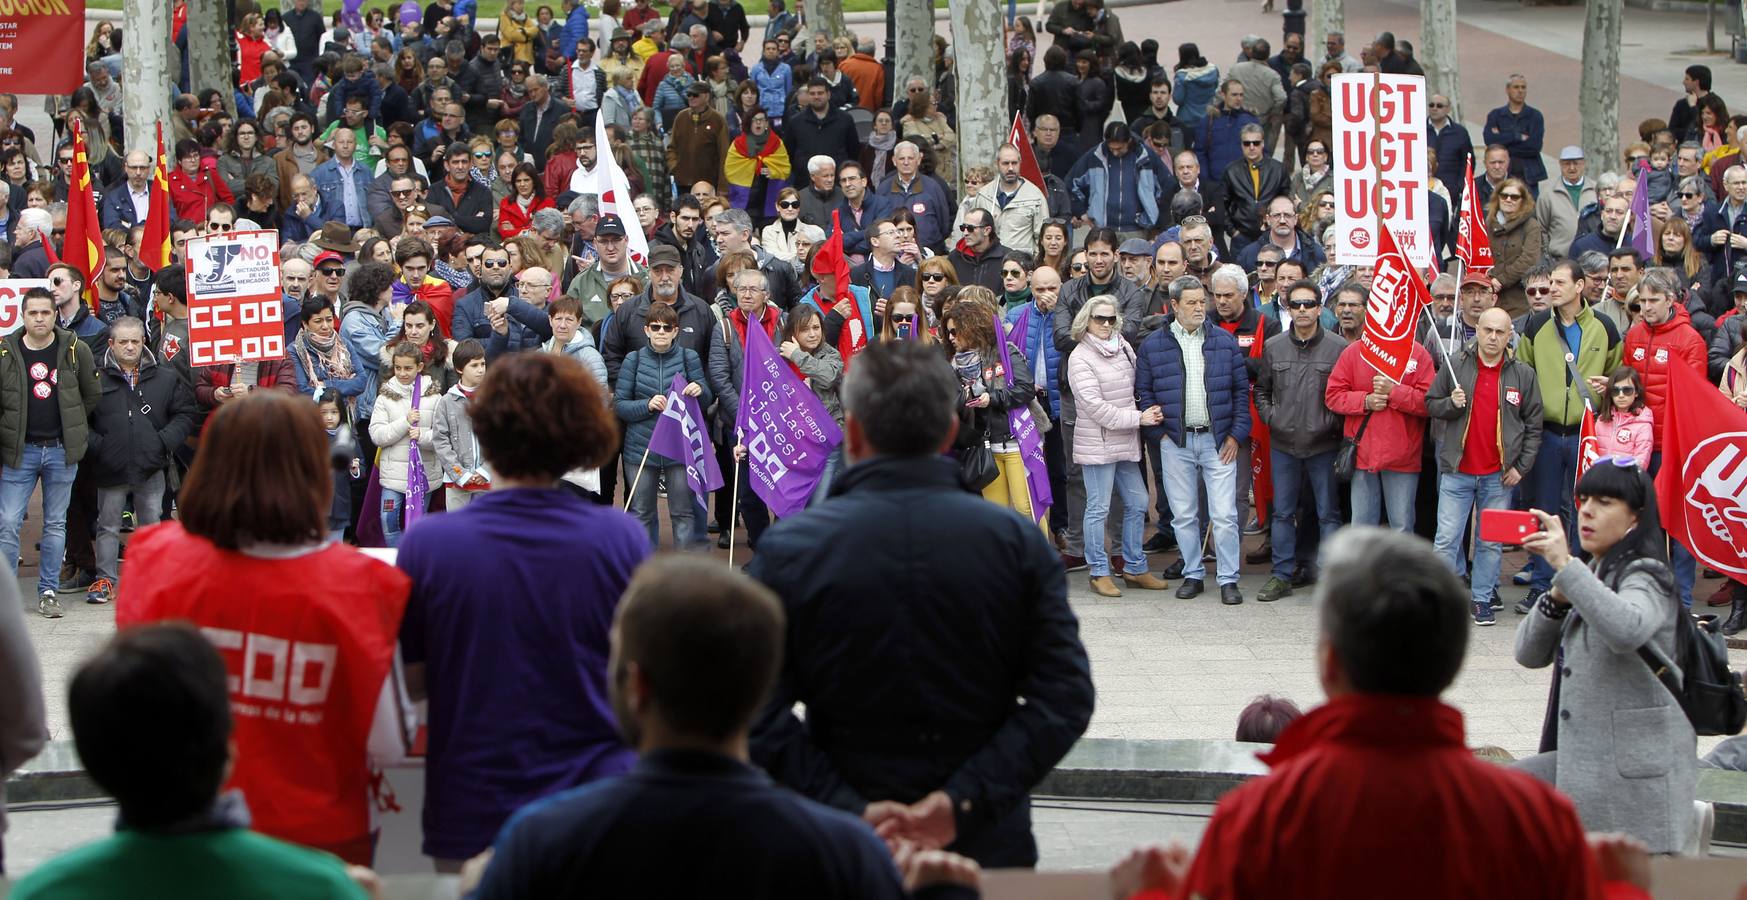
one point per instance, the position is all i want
(489, 9)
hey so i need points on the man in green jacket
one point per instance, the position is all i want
(48, 388)
(1572, 350)
(151, 720)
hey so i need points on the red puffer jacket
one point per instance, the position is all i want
(1651, 349)
(1396, 434)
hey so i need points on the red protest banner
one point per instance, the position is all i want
(1473, 244)
(42, 46)
(235, 308)
(1380, 166)
(1397, 296)
(1702, 487)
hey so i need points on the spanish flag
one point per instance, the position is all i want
(155, 241)
(83, 247)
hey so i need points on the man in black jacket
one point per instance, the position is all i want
(145, 413)
(819, 129)
(1056, 93)
(1251, 182)
(945, 753)
(978, 255)
(466, 201)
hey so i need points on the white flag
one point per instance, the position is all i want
(615, 192)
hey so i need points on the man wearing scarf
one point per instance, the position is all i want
(756, 159)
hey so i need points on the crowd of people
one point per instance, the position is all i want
(463, 309)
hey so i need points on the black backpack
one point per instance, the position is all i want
(1710, 693)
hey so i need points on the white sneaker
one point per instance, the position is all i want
(48, 607)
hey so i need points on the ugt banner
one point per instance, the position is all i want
(42, 46)
(235, 308)
(1380, 166)
(1397, 297)
(1702, 487)
(787, 432)
(12, 301)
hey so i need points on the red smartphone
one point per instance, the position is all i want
(1507, 526)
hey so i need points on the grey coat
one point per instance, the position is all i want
(1627, 755)
(452, 437)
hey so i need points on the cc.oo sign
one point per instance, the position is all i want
(235, 308)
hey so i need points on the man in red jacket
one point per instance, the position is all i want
(1388, 419)
(1661, 336)
(1374, 794)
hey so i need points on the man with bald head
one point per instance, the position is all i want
(1029, 327)
(1489, 406)
(125, 205)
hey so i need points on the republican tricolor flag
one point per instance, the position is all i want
(83, 245)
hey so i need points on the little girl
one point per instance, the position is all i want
(333, 417)
(394, 426)
(464, 473)
(1622, 425)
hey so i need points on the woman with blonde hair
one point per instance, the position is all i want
(1517, 242)
(934, 275)
(906, 318)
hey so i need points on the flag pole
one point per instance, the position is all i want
(1426, 310)
(733, 510)
(632, 490)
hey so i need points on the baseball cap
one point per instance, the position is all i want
(663, 254)
(1740, 284)
(1135, 247)
(1570, 152)
(327, 256)
(439, 221)
(1478, 279)
(610, 224)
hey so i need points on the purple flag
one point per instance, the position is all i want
(680, 436)
(1026, 435)
(786, 429)
(350, 15)
(1641, 239)
(416, 483)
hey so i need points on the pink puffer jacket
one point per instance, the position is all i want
(1106, 424)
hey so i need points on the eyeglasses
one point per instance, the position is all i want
(1624, 390)
(1266, 264)
(621, 295)
(1104, 320)
(787, 204)
(933, 276)
(1438, 105)
(1316, 150)
(1510, 195)
(66, 160)
(1013, 273)
(660, 327)
(1303, 304)
(1538, 291)
(535, 285)
(1635, 308)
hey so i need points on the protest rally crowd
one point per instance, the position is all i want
(547, 283)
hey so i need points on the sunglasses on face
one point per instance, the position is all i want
(1252, 143)
(330, 272)
(1510, 196)
(406, 193)
(1013, 273)
(495, 263)
(659, 328)
(1104, 320)
(480, 155)
(951, 332)
(1303, 304)
(903, 318)
(1077, 267)
(787, 204)
(1635, 308)
(1688, 195)
(933, 276)
(1624, 390)
(1538, 291)
(1636, 158)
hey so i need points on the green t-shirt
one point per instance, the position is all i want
(211, 865)
(367, 156)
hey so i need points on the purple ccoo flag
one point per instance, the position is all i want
(680, 436)
(417, 485)
(787, 431)
(1641, 224)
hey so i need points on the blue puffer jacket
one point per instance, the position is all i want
(1216, 140)
(644, 374)
(1038, 339)
(1158, 376)
(774, 87)
(1120, 192)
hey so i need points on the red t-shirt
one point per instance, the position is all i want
(1480, 452)
(307, 640)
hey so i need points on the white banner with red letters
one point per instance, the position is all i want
(1381, 170)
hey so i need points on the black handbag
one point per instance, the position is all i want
(976, 465)
(1347, 458)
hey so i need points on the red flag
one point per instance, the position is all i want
(83, 246)
(1588, 444)
(1702, 487)
(155, 242)
(1397, 296)
(1028, 167)
(1261, 443)
(1473, 246)
(830, 259)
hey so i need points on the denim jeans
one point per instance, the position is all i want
(148, 498)
(1375, 491)
(16, 484)
(1290, 472)
(682, 510)
(1459, 496)
(1125, 477)
(393, 511)
(1552, 484)
(1186, 469)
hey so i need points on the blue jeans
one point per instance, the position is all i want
(50, 464)
(682, 509)
(1289, 473)
(1125, 477)
(1551, 485)
(393, 510)
(1375, 491)
(1679, 558)
(1185, 469)
(1459, 496)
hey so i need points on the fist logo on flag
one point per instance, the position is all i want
(1384, 307)
(1716, 471)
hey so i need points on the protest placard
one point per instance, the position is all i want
(12, 301)
(236, 309)
(1381, 171)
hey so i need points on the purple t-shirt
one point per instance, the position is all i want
(512, 602)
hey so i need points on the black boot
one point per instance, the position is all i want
(1737, 610)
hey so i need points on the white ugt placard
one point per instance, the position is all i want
(1380, 166)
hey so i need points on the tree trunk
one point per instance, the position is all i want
(915, 45)
(826, 15)
(1325, 16)
(145, 61)
(209, 51)
(1601, 78)
(982, 82)
(1437, 52)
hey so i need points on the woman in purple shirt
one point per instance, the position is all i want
(506, 630)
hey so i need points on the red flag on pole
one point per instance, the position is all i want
(1473, 246)
(830, 260)
(83, 246)
(1397, 296)
(155, 242)
(1028, 167)
(1702, 487)
(1588, 444)
(1261, 445)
